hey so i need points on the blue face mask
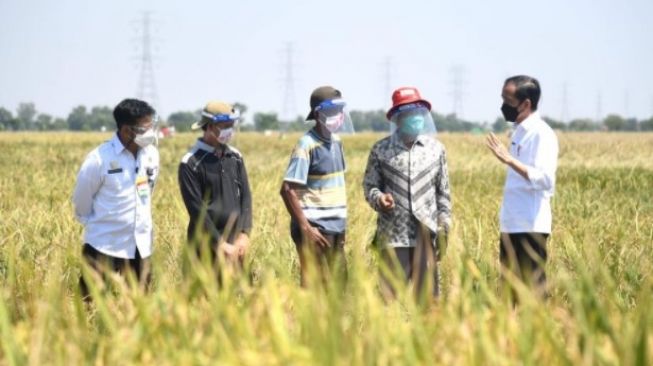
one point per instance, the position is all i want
(412, 125)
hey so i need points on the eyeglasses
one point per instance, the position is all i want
(141, 130)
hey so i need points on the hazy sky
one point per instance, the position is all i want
(60, 54)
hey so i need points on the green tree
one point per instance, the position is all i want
(554, 123)
(182, 120)
(452, 123)
(242, 108)
(43, 122)
(370, 120)
(59, 124)
(647, 125)
(266, 121)
(78, 119)
(101, 117)
(25, 114)
(583, 124)
(6, 119)
(614, 122)
(500, 125)
(631, 124)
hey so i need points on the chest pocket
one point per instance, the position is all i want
(325, 160)
(521, 149)
(117, 184)
(397, 165)
(115, 180)
(223, 178)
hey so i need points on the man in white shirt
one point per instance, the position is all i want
(113, 195)
(530, 182)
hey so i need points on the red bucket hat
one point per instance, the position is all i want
(406, 95)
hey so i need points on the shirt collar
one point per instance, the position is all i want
(529, 122)
(396, 140)
(117, 145)
(204, 146)
(320, 137)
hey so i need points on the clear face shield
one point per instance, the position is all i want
(412, 120)
(334, 115)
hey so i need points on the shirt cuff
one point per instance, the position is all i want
(538, 178)
(375, 195)
(445, 222)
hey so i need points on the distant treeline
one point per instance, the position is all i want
(27, 118)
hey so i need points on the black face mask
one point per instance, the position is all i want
(509, 112)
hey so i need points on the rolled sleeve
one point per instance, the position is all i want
(542, 173)
(372, 181)
(297, 171)
(443, 194)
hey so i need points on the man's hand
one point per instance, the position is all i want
(228, 251)
(497, 148)
(242, 244)
(313, 235)
(386, 202)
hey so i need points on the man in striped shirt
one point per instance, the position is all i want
(313, 189)
(407, 183)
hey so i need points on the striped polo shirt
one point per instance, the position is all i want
(318, 164)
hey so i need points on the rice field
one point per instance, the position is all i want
(599, 269)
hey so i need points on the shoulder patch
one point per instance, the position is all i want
(306, 141)
(186, 158)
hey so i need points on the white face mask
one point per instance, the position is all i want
(145, 139)
(225, 135)
(333, 123)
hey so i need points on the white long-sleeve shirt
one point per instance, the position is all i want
(113, 197)
(526, 203)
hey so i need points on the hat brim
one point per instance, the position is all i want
(197, 125)
(392, 110)
(311, 116)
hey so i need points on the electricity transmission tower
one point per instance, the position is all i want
(289, 105)
(146, 82)
(457, 92)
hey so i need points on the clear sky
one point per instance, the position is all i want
(60, 54)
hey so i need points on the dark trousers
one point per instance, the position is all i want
(331, 261)
(413, 264)
(524, 255)
(104, 264)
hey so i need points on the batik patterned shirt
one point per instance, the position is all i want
(418, 180)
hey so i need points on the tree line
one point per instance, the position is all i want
(98, 118)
